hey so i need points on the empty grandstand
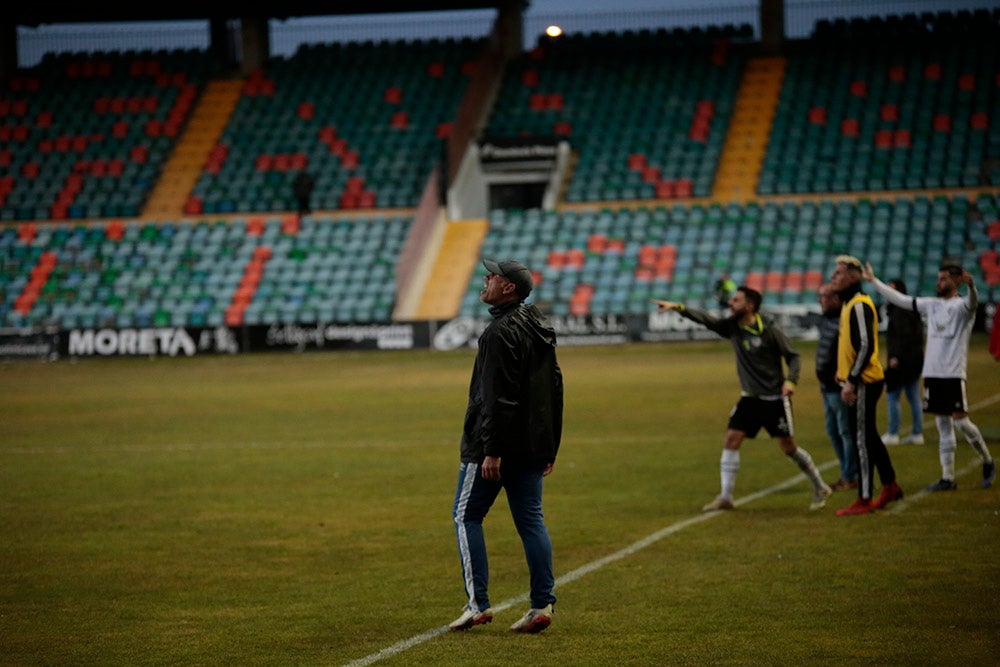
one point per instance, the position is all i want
(151, 189)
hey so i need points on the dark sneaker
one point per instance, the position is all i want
(890, 492)
(943, 485)
(470, 618)
(989, 472)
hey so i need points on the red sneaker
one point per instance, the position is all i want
(890, 492)
(860, 506)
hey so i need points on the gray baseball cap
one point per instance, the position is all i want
(513, 271)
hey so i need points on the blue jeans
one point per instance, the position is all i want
(912, 391)
(473, 500)
(838, 427)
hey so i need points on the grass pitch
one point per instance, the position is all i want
(295, 509)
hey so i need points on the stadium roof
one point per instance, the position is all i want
(37, 12)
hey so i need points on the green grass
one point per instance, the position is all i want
(295, 509)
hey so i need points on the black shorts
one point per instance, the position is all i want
(943, 396)
(751, 414)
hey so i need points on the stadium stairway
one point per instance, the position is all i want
(451, 272)
(746, 142)
(196, 146)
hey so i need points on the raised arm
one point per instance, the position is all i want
(904, 301)
(973, 298)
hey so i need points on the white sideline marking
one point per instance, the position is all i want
(583, 570)
(995, 398)
(913, 497)
(652, 538)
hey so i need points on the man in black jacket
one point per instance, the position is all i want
(513, 426)
(838, 422)
(904, 338)
(302, 188)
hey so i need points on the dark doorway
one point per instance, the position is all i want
(516, 195)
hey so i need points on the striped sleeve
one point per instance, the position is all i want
(862, 339)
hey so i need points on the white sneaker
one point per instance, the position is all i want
(535, 620)
(470, 618)
(719, 503)
(913, 439)
(890, 438)
(820, 497)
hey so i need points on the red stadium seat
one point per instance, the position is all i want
(849, 127)
(636, 161)
(755, 280)
(575, 258)
(596, 243)
(993, 230)
(817, 116)
(813, 279)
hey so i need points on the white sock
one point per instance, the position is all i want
(946, 446)
(728, 467)
(974, 438)
(806, 465)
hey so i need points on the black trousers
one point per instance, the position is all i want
(872, 453)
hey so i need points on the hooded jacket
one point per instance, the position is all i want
(516, 392)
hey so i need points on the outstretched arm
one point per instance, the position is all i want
(904, 301)
(707, 320)
(662, 305)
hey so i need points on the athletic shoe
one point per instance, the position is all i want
(890, 438)
(890, 492)
(470, 618)
(820, 497)
(943, 485)
(989, 472)
(535, 620)
(913, 439)
(843, 485)
(719, 503)
(860, 506)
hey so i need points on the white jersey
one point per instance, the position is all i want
(949, 326)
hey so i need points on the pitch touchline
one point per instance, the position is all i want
(635, 547)
(583, 570)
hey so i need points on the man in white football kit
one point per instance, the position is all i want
(949, 318)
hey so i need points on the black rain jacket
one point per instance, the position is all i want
(516, 394)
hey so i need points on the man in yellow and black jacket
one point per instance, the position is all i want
(862, 381)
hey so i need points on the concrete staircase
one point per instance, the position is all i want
(746, 143)
(183, 168)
